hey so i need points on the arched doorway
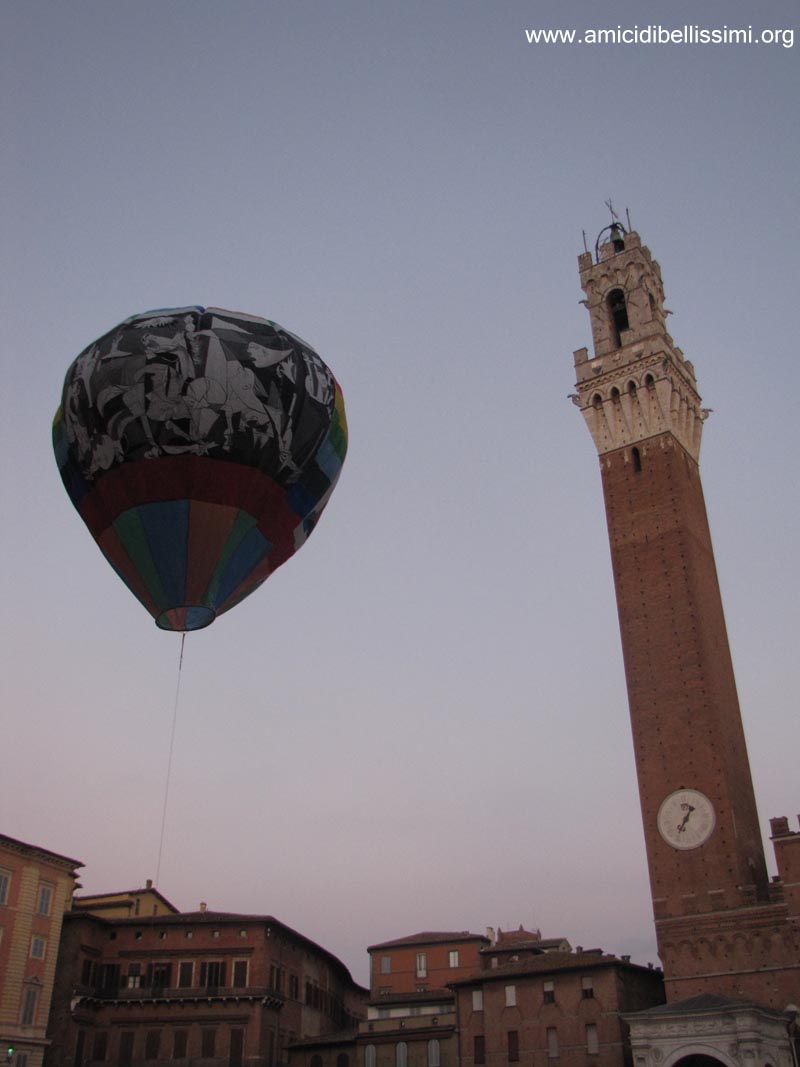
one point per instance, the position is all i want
(700, 1054)
(699, 1060)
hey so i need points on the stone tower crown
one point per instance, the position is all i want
(637, 384)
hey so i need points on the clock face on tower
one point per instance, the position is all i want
(686, 819)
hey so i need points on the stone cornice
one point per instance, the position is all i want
(42, 855)
(629, 396)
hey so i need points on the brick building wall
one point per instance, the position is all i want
(564, 1006)
(424, 961)
(36, 888)
(231, 990)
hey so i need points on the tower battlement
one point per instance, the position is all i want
(636, 384)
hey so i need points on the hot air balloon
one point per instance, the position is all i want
(200, 447)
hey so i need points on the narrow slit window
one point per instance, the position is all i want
(592, 1040)
(637, 459)
(513, 1046)
(552, 1043)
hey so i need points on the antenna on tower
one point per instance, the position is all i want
(585, 246)
(628, 216)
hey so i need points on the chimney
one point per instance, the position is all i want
(490, 933)
(149, 883)
(203, 906)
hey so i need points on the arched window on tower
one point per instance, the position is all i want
(618, 310)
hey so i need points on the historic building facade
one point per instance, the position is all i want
(489, 1001)
(136, 983)
(36, 888)
(422, 962)
(411, 1012)
(564, 1006)
(208, 986)
(722, 927)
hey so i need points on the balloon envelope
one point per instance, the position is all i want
(200, 447)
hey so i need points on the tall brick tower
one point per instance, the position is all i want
(720, 926)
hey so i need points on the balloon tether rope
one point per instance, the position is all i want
(169, 760)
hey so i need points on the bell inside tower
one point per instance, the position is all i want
(618, 311)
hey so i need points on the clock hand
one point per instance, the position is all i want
(683, 822)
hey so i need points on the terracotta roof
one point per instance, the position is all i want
(506, 937)
(13, 845)
(538, 946)
(704, 1002)
(548, 961)
(194, 917)
(430, 937)
(505, 950)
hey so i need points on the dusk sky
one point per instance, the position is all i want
(420, 722)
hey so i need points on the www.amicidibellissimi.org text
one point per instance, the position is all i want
(695, 35)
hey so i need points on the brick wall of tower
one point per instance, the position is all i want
(752, 954)
(718, 929)
(681, 688)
